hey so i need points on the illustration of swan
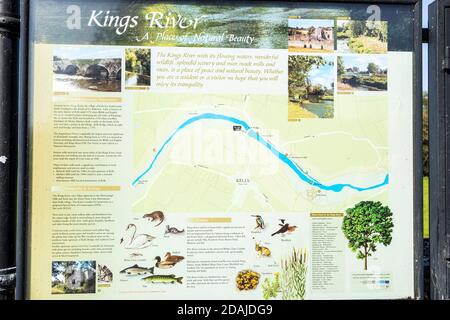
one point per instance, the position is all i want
(135, 241)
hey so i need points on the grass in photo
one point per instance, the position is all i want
(137, 68)
(362, 36)
(362, 73)
(87, 69)
(311, 87)
(311, 35)
(69, 277)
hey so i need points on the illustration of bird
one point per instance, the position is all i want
(285, 227)
(259, 222)
(135, 241)
(168, 262)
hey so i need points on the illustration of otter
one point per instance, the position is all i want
(155, 216)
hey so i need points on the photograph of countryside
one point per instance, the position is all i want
(362, 73)
(311, 87)
(73, 277)
(137, 68)
(362, 36)
(87, 69)
(309, 35)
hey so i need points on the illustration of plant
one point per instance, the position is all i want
(291, 281)
(365, 225)
(271, 288)
(293, 276)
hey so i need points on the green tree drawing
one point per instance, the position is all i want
(365, 225)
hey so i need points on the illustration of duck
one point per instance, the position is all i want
(285, 227)
(169, 261)
(135, 241)
(259, 222)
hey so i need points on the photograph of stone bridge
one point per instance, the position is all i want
(87, 69)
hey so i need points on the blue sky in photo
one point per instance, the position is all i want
(323, 75)
(362, 61)
(425, 5)
(307, 23)
(341, 23)
(88, 52)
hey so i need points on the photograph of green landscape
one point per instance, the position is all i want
(362, 36)
(362, 73)
(311, 87)
(137, 68)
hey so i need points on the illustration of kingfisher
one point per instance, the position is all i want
(259, 222)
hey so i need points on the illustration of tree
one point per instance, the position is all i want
(365, 225)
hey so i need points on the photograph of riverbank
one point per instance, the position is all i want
(311, 35)
(311, 87)
(362, 36)
(362, 73)
(137, 68)
(87, 69)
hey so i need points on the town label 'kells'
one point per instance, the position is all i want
(103, 19)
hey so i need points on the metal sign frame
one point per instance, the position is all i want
(24, 163)
(439, 95)
(9, 46)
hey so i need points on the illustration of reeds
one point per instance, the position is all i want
(293, 275)
(291, 281)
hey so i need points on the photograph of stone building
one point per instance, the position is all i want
(73, 277)
(311, 35)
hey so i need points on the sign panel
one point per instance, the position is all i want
(208, 151)
(439, 79)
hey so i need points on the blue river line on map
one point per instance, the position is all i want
(251, 133)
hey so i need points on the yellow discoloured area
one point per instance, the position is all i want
(308, 50)
(370, 44)
(296, 112)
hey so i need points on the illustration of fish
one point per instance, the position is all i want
(163, 279)
(135, 254)
(259, 222)
(285, 227)
(173, 230)
(136, 270)
(155, 216)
